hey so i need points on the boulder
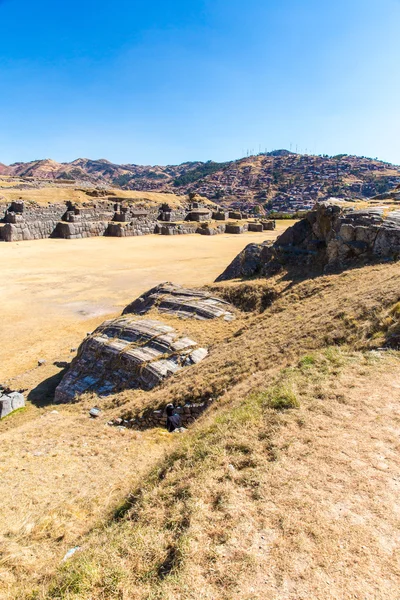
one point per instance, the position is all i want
(182, 302)
(10, 401)
(246, 264)
(127, 353)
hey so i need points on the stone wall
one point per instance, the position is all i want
(157, 418)
(30, 221)
(177, 228)
(236, 227)
(34, 230)
(107, 217)
(135, 227)
(211, 229)
(81, 229)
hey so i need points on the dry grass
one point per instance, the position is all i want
(285, 489)
(264, 503)
(308, 315)
(53, 193)
(61, 473)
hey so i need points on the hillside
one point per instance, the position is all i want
(277, 181)
(285, 488)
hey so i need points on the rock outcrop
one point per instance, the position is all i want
(183, 302)
(127, 353)
(10, 401)
(332, 236)
(246, 264)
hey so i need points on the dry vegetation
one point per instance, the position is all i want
(285, 489)
(284, 492)
(47, 192)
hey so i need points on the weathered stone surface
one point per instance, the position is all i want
(329, 237)
(183, 302)
(256, 227)
(127, 353)
(10, 401)
(246, 264)
(236, 228)
(211, 229)
(268, 225)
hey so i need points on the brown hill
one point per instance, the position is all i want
(278, 181)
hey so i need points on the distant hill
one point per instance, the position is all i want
(278, 180)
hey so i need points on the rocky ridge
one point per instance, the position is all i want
(332, 236)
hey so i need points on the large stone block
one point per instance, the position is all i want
(127, 353)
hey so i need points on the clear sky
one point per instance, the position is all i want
(166, 81)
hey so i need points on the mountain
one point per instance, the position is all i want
(279, 180)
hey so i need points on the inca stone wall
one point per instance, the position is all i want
(157, 418)
(81, 229)
(111, 217)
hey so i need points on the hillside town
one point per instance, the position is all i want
(274, 182)
(293, 183)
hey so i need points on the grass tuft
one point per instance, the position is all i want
(281, 398)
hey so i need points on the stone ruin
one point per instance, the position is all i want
(114, 217)
(189, 412)
(133, 353)
(10, 401)
(182, 302)
(332, 236)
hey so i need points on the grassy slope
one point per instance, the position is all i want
(286, 488)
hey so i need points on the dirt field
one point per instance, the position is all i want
(55, 291)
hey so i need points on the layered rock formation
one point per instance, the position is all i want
(332, 236)
(127, 353)
(182, 302)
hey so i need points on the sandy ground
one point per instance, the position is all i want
(55, 291)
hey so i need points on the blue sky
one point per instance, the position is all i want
(167, 81)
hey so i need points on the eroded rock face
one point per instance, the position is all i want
(183, 302)
(330, 236)
(127, 353)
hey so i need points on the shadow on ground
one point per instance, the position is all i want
(43, 393)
